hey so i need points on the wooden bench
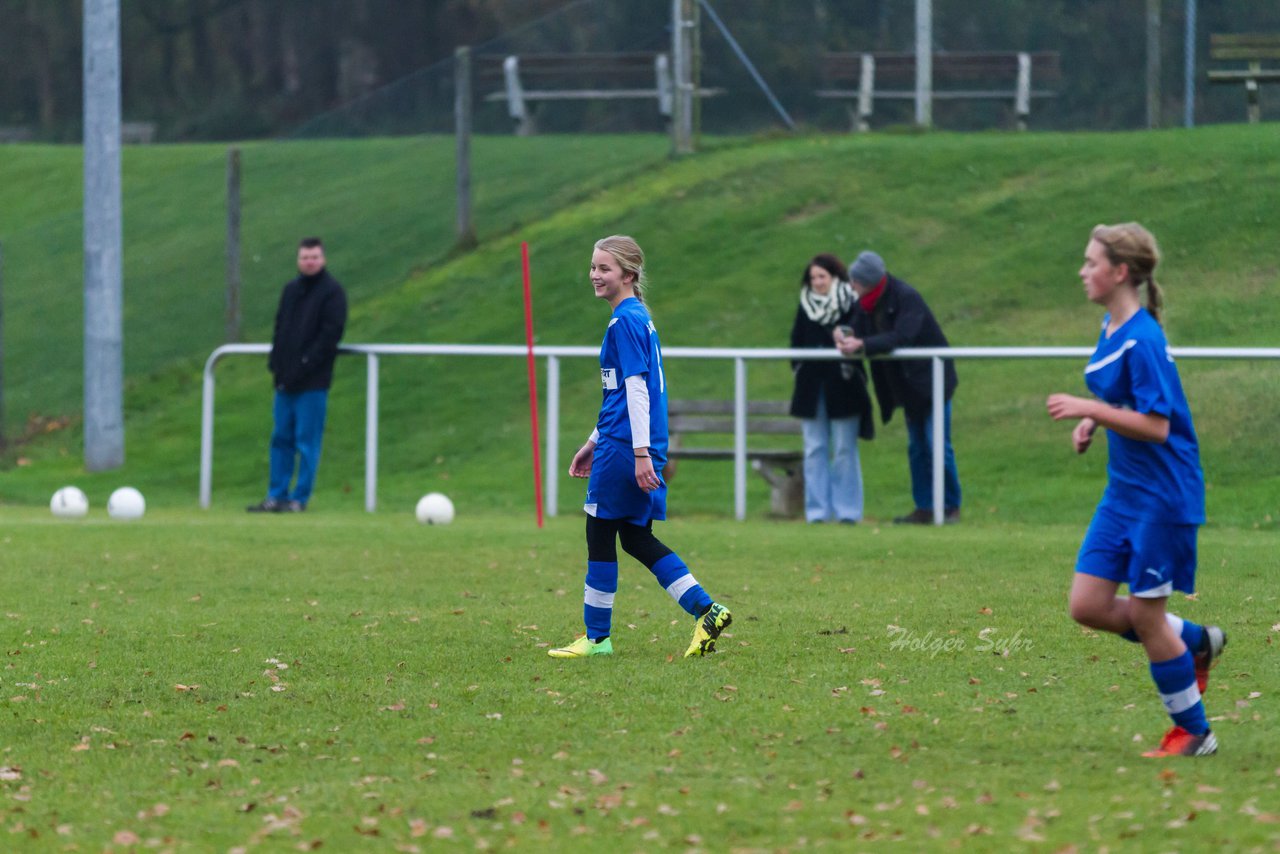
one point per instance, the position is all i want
(1251, 48)
(530, 78)
(1004, 76)
(781, 467)
(137, 133)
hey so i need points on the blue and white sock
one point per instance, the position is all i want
(1192, 634)
(597, 597)
(675, 577)
(1176, 681)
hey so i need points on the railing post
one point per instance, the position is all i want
(206, 435)
(939, 441)
(866, 91)
(740, 438)
(550, 484)
(1022, 101)
(371, 434)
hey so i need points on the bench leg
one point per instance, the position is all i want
(786, 498)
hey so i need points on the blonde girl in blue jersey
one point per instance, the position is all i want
(624, 459)
(1143, 533)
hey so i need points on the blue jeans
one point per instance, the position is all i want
(832, 470)
(299, 428)
(920, 456)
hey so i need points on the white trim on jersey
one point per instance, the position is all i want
(638, 411)
(595, 437)
(681, 585)
(596, 598)
(1102, 363)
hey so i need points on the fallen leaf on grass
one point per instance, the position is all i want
(11, 772)
(181, 687)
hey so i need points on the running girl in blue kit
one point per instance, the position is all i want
(624, 459)
(1143, 533)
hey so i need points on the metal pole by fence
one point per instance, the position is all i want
(1189, 68)
(103, 240)
(462, 108)
(233, 245)
(924, 63)
(3, 441)
(1153, 63)
(683, 36)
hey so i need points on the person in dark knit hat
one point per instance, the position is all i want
(890, 315)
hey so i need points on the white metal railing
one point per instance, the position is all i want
(740, 356)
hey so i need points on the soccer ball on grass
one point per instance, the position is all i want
(434, 508)
(70, 502)
(126, 503)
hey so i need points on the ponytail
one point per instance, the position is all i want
(1155, 298)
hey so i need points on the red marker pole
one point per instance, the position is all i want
(533, 383)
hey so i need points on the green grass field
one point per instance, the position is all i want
(207, 681)
(210, 680)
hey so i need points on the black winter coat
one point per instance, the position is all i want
(902, 319)
(309, 325)
(845, 398)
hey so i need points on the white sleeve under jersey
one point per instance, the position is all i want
(638, 411)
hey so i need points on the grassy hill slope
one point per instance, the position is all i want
(990, 227)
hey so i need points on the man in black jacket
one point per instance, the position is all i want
(891, 314)
(309, 324)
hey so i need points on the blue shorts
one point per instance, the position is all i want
(612, 492)
(1153, 559)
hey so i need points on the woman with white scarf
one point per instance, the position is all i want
(830, 398)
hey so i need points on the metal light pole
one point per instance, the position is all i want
(103, 290)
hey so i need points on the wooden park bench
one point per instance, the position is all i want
(530, 78)
(1252, 48)
(781, 467)
(1003, 75)
(137, 133)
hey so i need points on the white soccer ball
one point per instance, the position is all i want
(70, 502)
(126, 503)
(434, 508)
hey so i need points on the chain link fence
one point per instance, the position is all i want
(1100, 46)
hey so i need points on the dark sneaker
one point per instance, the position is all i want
(292, 507)
(915, 517)
(1211, 646)
(707, 629)
(266, 505)
(952, 516)
(1179, 742)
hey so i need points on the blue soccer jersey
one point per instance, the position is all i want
(1154, 482)
(631, 349)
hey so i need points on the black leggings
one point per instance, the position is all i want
(639, 542)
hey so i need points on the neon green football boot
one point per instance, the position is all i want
(583, 647)
(707, 629)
